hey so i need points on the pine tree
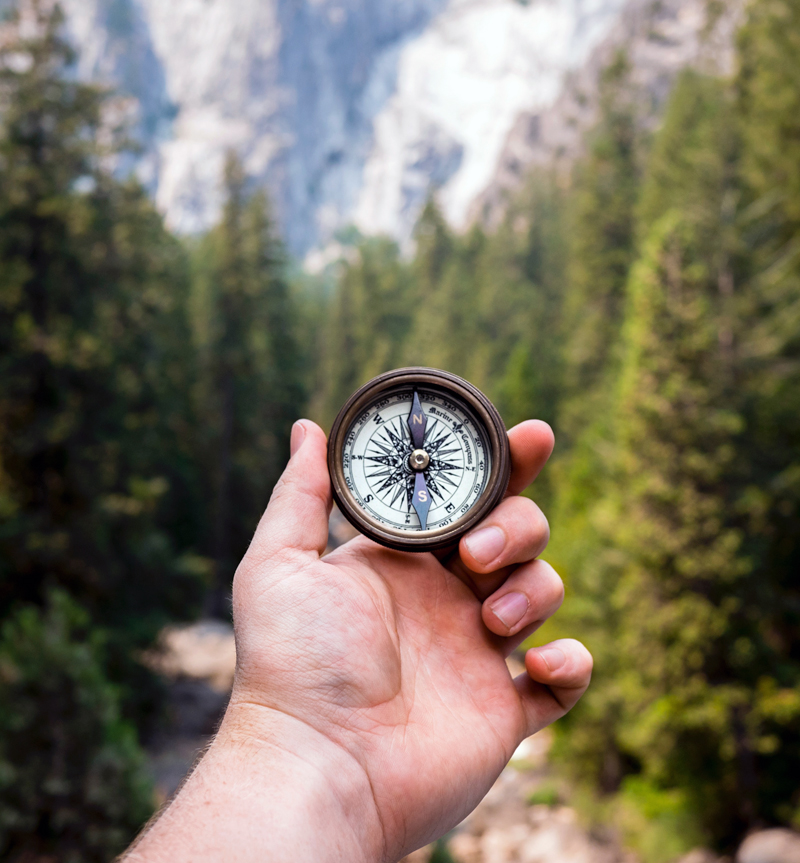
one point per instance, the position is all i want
(768, 108)
(523, 278)
(677, 436)
(91, 333)
(448, 331)
(368, 324)
(94, 472)
(601, 225)
(434, 247)
(684, 595)
(251, 388)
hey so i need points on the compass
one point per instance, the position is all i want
(417, 457)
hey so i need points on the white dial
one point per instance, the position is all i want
(379, 468)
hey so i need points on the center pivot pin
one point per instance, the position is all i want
(419, 459)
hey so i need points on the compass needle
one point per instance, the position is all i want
(421, 499)
(416, 423)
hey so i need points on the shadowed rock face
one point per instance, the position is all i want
(350, 111)
(292, 86)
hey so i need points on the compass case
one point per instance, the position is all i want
(450, 386)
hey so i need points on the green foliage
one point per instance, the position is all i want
(601, 230)
(600, 227)
(250, 387)
(545, 795)
(72, 782)
(681, 564)
(768, 103)
(648, 306)
(123, 443)
(368, 321)
(661, 825)
(692, 164)
(768, 90)
(467, 304)
(440, 852)
(680, 592)
(90, 378)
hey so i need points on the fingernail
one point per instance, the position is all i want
(510, 608)
(553, 657)
(298, 436)
(486, 544)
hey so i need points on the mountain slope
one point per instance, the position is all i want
(350, 111)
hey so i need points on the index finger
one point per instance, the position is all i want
(531, 444)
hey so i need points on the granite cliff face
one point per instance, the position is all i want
(350, 111)
(658, 39)
(292, 86)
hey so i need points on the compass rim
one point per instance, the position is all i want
(485, 412)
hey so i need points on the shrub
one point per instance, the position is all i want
(73, 786)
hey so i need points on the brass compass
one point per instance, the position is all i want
(418, 457)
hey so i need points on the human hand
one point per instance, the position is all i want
(376, 677)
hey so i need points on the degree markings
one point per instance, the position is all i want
(377, 449)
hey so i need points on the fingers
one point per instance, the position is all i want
(530, 595)
(531, 444)
(514, 532)
(558, 674)
(297, 514)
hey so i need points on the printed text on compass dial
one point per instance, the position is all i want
(378, 474)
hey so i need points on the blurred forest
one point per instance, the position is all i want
(646, 304)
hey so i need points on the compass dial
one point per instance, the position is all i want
(417, 457)
(380, 473)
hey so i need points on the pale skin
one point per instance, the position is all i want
(372, 707)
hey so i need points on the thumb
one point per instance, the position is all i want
(297, 515)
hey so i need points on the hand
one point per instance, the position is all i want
(372, 707)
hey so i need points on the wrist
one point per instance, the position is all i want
(269, 787)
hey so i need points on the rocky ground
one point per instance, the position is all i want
(521, 819)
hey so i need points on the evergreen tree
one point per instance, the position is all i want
(681, 590)
(601, 227)
(600, 222)
(368, 324)
(683, 566)
(768, 108)
(448, 332)
(91, 331)
(251, 389)
(433, 252)
(524, 275)
(96, 481)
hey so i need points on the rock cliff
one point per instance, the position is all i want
(352, 111)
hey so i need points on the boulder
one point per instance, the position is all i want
(770, 846)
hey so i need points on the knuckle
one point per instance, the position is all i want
(553, 583)
(542, 526)
(525, 508)
(533, 521)
(582, 659)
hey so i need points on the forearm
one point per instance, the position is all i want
(269, 788)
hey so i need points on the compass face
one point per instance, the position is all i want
(382, 476)
(417, 457)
